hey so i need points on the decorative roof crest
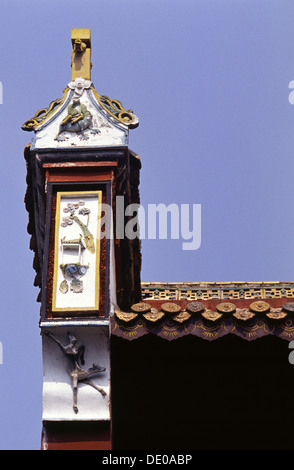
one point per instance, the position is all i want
(81, 65)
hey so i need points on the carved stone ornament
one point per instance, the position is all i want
(211, 315)
(260, 306)
(226, 307)
(75, 357)
(170, 307)
(141, 307)
(195, 307)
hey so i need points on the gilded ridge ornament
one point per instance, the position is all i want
(195, 307)
(226, 307)
(260, 306)
(182, 317)
(243, 314)
(289, 307)
(125, 316)
(276, 314)
(153, 316)
(169, 307)
(141, 307)
(211, 316)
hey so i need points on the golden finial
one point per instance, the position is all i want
(81, 54)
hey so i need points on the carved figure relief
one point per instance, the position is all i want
(78, 120)
(81, 118)
(75, 356)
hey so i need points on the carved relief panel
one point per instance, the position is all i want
(76, 274)
(76, 259)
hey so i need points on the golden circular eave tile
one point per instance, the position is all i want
(289, 307)
(276, 314)
(210, 315)
(141, 307)
(259, 306)
(182, 317)
(169, 307)
(195, 307)
(125, 316)
(154, 315)
(243, 314)
(226, 307)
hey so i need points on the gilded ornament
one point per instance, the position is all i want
(125, 316)
(153, 316)
(169, 307)
(276, 314)
(259, 306)
(79, 46)
(195, 307)
(88, 237)
(141, 307)
(116, 110)
(44, 113)
(182, 317)
(211, 315)
(243, 314)
(289, 307)
(226, 307)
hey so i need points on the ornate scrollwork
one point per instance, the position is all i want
(43, 113)
(116, 110)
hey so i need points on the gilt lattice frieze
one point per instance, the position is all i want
(199, 291)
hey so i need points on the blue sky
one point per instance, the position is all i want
(209, 82)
